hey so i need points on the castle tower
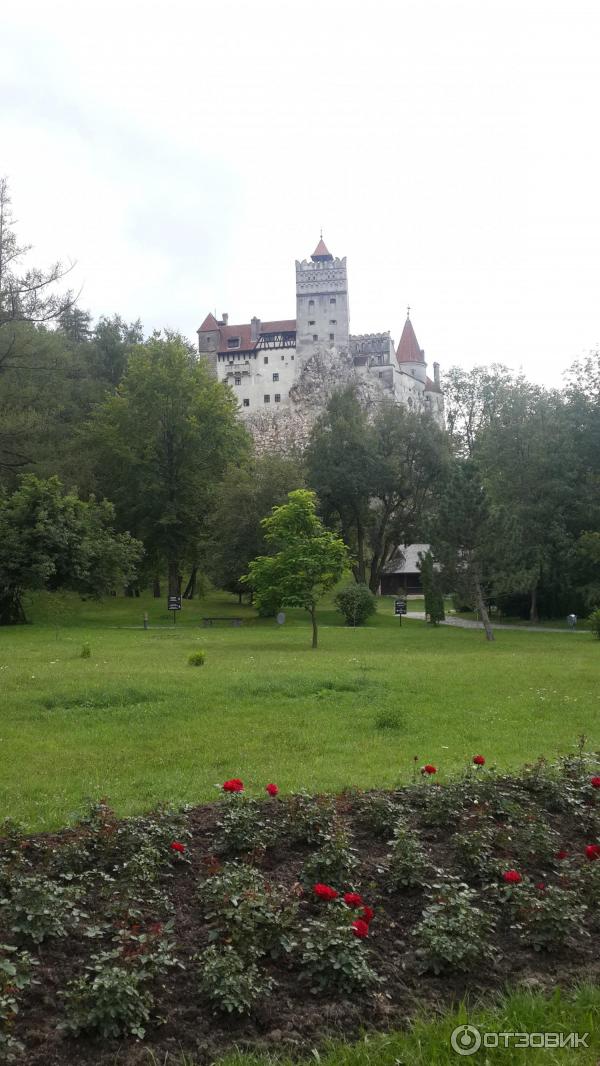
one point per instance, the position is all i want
(411, 358)
(322, 315)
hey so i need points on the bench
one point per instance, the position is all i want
(228, 618)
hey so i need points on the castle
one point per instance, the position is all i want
(283, 372)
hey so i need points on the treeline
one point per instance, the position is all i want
(507, 496)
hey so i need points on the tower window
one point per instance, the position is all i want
(333, 321)
(238, 379)
(265, 359)
(315, 336)
(277, 397)
(246, 403)
(332, 300)
(311, 304)
(311, 321)
(275, 377)
(233, 342)
(282, 358)
(332, 336)
(266, 398)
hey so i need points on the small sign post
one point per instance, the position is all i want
(174, 605)
(399, 609)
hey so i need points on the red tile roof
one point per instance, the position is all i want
(408, 350)
(209, 323)
(244, 332)
(321, 251)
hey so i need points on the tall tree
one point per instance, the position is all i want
(53, 540)
(308, 559)
(162, 443)
(472, 399)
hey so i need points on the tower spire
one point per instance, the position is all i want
(321, 253)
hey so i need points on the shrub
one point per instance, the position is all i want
(332, 957)
(453, 933)
(38, 908)
(230, 982)
(244, 827)
(255, 917)
(474, 853)
(335, 862)
(441, 805)
(308, 819)
(379, 814)
(407, 865)
(86, 651)
(112, 1003)
(357, 603)
(197, 658)
(594, 621)
(547, 917)
(15, 977)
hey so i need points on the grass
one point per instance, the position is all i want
(427, 1042)
(135, 722)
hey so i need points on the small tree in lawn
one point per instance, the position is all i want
(434, 597)
(308, 560)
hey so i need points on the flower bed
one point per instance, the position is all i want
(289, 918)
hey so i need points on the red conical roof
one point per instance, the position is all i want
(209, 323)
(321, 251)
(408, 350)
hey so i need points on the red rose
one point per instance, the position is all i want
(429, 769)
(325, 892)
(592, 852)
(235, 785)
(360, 928)
(353, 899)
(368, 914)
(176, 846)
(595, 782)
(479, 760)
(541, 886)
(512, 877)
(561, 855)
(272, 790)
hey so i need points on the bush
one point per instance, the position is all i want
(407, 865)
(332, 957)
(15, 977)
(197, 658)
(252, 915)
(334, 863)
(546, 917)
(356, 603)
(37, 908)
(244, 827)
(231, 982)
(112, 1003)
(453, 933)
(594, 621)
(308, 819)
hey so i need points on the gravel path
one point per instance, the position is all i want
(467, 623)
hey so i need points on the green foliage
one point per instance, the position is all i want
(110, 1001)
(407, 865)
(51, 539)
(432, 589)
(546, 918)
(310, 559)
(244, 826)
(16, 975)
(332, 958)
(595, 622)
(357, 603)
(197, 658)
(247, 911)
(454, 933)
(86, 651)
(36, 908)
(308, 819)
(334, 863)
(232, 983)
(378, 814)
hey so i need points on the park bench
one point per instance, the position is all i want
(228, 618)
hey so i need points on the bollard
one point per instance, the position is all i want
(145, 619)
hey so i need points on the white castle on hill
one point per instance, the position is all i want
(283, 372)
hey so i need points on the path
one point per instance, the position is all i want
(467, 623)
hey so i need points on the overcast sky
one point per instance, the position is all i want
(186, 153)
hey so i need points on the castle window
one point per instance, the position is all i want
(311, 321)
(266, 359)
(233, 342)
(332, 299)
(332, 336)
(333, 321)
(282, 358)
(238, 379)
(315, 336)
(277, 397)
(291, 357)
(275, 377)
(246, 403)
(266, 398)
(311, 304)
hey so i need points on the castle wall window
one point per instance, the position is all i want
(233, 342)
(315, 336)
(277, 397)
(238, 379)
(246, 403)
(311, 305)
(311, 321)
(333, 321)
(265, 359)
(283, 357)
(332, 299)
(332, 336)
(266, 398)
(275, 377)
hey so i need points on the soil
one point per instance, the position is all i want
(291, 1019)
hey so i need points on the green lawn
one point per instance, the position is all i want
(134, 722)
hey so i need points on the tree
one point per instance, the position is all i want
(53, 540)
(162, 443)
(308, 560)
(471, 400)
(463, 535)
(244, 496)
(375, 478)
(432, 590)
(357, 603)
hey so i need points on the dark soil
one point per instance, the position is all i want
(291, 1017)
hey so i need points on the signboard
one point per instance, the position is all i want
(400, 607)
(174, 603)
